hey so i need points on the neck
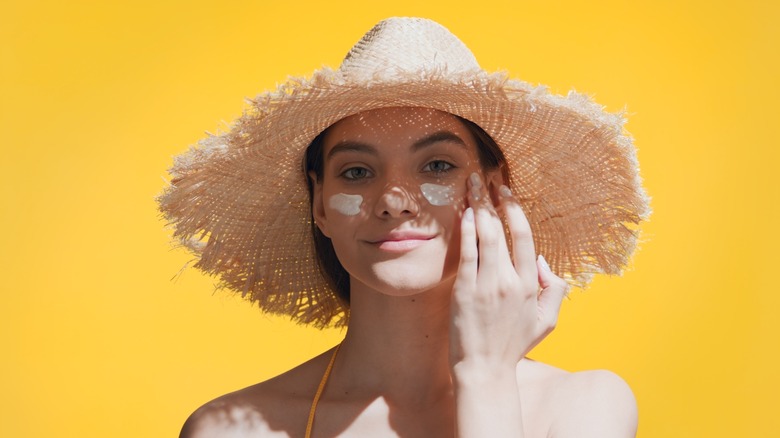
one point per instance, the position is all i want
(398, 347)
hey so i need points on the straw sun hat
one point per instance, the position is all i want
(239, 199)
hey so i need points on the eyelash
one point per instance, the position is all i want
(345, 174)
(449, 167)
(348, 174)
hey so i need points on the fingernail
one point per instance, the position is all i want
(468, 215)
(475, 193)
(504, 191)
(544, 264)
(475, 181)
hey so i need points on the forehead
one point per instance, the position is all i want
(395, 124)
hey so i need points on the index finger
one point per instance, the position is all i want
(523, 251)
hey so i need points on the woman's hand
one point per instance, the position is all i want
(498, 312)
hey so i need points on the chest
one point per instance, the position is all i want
(378, 418)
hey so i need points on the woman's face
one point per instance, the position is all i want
(392, 193)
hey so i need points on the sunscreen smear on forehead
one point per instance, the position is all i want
(436, 194)
(348, 205)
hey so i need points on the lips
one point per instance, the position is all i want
(399, 241)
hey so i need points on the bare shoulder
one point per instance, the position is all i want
(596, 403)
(226, 416)
(277, 407)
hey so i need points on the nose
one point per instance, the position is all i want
(396, 202)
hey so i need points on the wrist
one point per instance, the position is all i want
(487, 401)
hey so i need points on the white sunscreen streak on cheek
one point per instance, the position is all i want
(436, 194)
(348, 205)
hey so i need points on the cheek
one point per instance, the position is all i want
(347, 205)
(452, 197)
(446, 204)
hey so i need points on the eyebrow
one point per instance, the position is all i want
(436, 137)
(352, 146)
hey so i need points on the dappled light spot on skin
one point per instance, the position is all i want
(410, 167)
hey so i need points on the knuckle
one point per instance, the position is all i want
(463, 297)
(522, 237)
(469, 255)
(555, 282)
(528, 293)
(520, 228)
(489, 239)
(560, 283)
(530, 287)
(507, 286)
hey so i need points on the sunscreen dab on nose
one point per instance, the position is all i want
(348, 205)
(436, 194)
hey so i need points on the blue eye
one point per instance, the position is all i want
(438, 166)
(355, 173)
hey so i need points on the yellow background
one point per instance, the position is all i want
(96, 98)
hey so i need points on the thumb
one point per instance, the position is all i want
(554, 288)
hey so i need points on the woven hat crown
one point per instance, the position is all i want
(407, 45)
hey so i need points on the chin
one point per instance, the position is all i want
(402, 281)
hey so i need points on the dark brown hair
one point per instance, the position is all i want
(491, 157)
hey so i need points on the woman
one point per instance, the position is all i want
(418, 244)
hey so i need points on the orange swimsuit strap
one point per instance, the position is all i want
(320, 389)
